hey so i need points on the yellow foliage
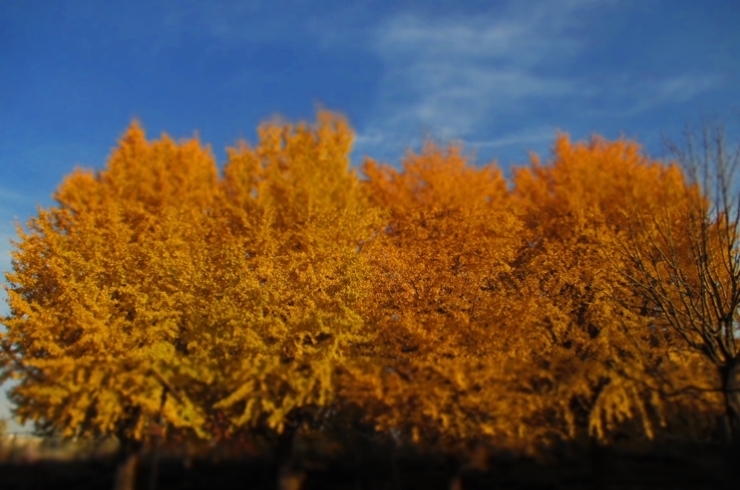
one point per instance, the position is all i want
(103, 288)
(235, 290)
(577, 211)
(440, 300)
(292, 220)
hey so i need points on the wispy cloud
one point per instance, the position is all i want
(256, 22)
(630, 96)
(458, 76)
(535, 135)
(453, 75)
(450, 75)
(12, 196)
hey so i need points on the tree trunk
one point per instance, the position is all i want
(730, 375)
(127, 473)
(287, 477)
(128, 457)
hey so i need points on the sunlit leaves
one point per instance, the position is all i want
(578, 211)
(441, 300)
(296, 215)
(103, 286)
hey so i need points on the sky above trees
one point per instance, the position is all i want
(501, 77)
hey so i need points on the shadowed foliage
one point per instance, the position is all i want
(591, 296)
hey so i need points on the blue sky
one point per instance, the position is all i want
(499, 76)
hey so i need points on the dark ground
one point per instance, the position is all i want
(669, 467)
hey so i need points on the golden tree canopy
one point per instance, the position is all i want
(103, 289)
(154, 274)
(437, 298)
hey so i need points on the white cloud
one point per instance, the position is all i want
(256, 22)
(8, 195)
(453, 75)
(519, 40)
(459, 75)
(447, 76)
(535, 135)
(636, 96)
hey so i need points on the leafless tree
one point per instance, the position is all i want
(685, 259)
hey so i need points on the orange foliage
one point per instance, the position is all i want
(291, 224)
(104, 292)
(434, 298)
(450, 234)
(598, 329)
(442, 296)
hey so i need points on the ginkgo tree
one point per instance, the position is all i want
(292, 224)
(435, 299)
(442, 303)
(599, 338)
(684, 259)
(102, 290)
(156, 290)
(450, 232)
(499, 312)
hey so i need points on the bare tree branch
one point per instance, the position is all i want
(685, 258)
